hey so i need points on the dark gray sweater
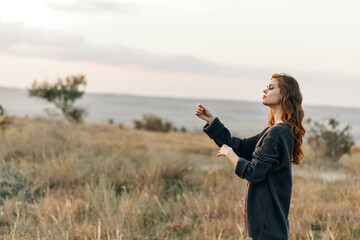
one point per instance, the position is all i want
(265, 162)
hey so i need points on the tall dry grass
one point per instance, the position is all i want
(98, 181)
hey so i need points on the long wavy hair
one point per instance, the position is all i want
(292, 111)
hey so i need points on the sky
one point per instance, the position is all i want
(209, 49)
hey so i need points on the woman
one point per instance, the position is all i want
(265, 159)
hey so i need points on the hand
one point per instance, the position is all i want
(228, 152)
(225, 150)
(204, 114)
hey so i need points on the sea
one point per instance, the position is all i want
(242, 118)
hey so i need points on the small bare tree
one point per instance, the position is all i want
(63, 95)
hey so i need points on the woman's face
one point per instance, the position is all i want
(272, 95)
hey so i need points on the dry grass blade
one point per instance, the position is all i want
(13, 231)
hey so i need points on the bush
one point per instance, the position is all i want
(329, 141)
(183, 129)
(5, 121)
(153, 123)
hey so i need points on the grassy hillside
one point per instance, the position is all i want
(92, 181)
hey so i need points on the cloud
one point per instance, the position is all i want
(94, 6)
(33, 42)
(121, 55)
(15, 33)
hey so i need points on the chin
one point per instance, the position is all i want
(266, 104)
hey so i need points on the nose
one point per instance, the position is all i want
(265, 91)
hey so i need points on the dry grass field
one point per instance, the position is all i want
(99, 181)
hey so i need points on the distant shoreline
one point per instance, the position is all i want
(192, 98)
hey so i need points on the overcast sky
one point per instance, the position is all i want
(214, 49)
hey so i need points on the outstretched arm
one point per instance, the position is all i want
(243, 147)
(221, 135)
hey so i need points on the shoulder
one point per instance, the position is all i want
(280, 131)
(276, 137)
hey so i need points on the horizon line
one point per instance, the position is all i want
(191, 98)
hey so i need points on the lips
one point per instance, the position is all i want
(263, 97)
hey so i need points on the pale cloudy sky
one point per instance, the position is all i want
(215, 49)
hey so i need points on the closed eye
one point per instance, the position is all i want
(271, 86)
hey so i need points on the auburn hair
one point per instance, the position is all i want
(292, 111)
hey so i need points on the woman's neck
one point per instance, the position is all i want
(277, 111)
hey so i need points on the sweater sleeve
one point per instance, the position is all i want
(243, 147)
(263, 160)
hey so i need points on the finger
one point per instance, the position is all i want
(200, 109)
(199, 112)
(200, 106)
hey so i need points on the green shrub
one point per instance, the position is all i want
(16, 182)
(329, 141)
(153, 123)
(183, 129)
(5, 121)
